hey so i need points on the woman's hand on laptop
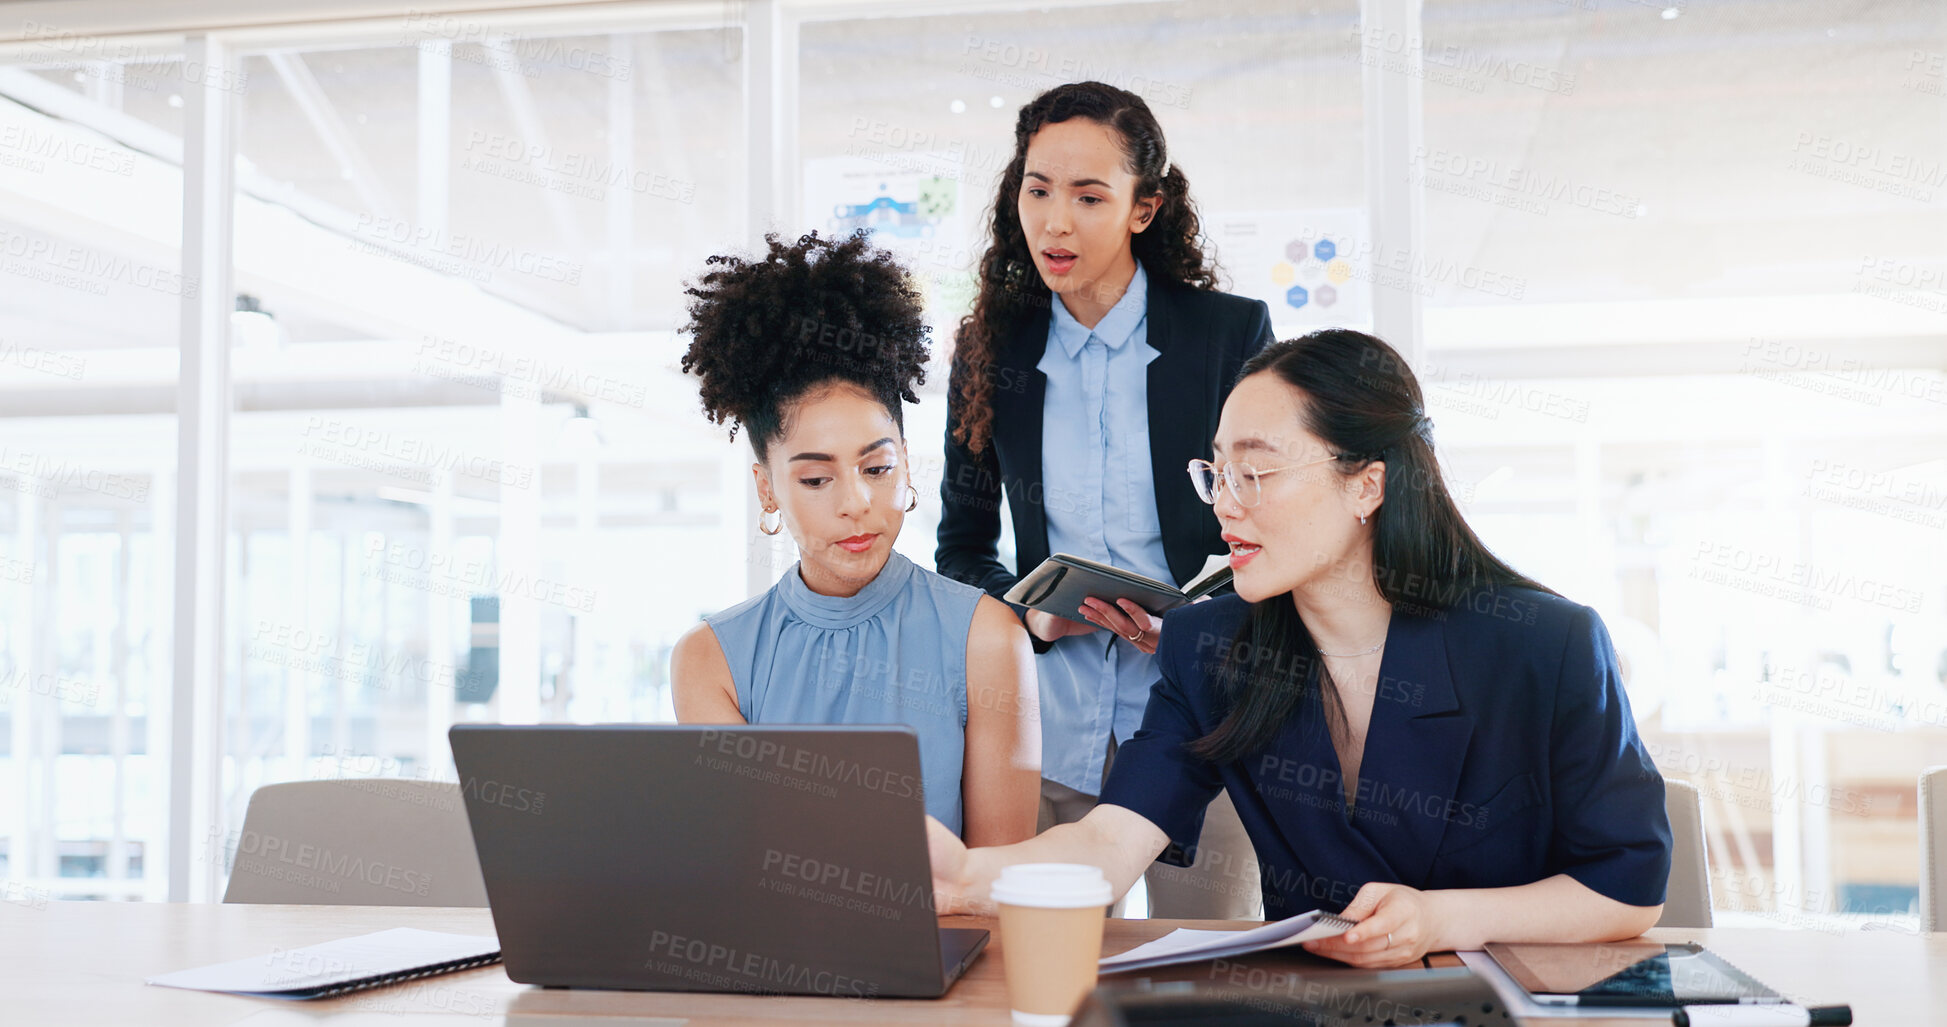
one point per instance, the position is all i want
(1120, 841)
(950, 865)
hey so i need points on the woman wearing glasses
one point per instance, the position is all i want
(1413, 733)
(813, 350)
(1094, 363)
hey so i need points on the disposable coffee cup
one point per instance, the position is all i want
(1051, 937)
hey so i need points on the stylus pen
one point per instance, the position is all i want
(1765, 1014)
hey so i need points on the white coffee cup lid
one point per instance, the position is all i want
(1053, 886)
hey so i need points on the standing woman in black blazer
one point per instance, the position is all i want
(1090, 372)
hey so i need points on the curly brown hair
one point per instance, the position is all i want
(766, 332)
(1010, 288)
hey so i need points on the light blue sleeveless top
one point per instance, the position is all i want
(895, 653)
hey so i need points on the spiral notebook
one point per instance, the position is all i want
(336, 967)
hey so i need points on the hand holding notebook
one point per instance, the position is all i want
(1187, 946)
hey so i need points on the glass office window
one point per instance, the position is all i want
(1683, 308)
(1684, 354)
(90, 286)
(469, 477)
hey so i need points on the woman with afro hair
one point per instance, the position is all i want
(1088, 375)
(812, 350)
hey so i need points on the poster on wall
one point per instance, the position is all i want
(915, 206)
(1301, 262)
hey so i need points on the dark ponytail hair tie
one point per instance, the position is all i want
(1422, 426)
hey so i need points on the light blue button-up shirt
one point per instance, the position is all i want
(1101, 504)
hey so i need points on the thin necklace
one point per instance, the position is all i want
(1363, 652)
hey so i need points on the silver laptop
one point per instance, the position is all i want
(764, 860)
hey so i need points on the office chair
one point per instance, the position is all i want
(1687, 903)
(356, 842)
(1933, 848)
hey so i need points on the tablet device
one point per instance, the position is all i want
(1063, 580)
(1630, 973)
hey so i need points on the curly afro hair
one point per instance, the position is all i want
(811, 313)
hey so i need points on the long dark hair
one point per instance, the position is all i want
(1010, 287)
(1363, 402)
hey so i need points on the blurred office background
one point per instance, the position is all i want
(1673, 274)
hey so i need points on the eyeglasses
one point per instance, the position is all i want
(1241, 478)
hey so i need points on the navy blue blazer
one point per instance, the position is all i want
(1501, 752)
(1202, 339)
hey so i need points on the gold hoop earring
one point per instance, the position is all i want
(912, 502)
(770, 531)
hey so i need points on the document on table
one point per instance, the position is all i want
(1184, 945)
(348, 964)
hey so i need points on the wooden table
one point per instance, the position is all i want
(84, 962)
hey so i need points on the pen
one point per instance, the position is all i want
(1767, 1014)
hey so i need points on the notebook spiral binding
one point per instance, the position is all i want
(380, 980)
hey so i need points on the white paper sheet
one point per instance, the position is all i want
(1184, 945)
(397, 951)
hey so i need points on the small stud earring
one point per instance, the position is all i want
(1362, 518)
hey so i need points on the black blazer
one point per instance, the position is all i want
(1203, 339)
